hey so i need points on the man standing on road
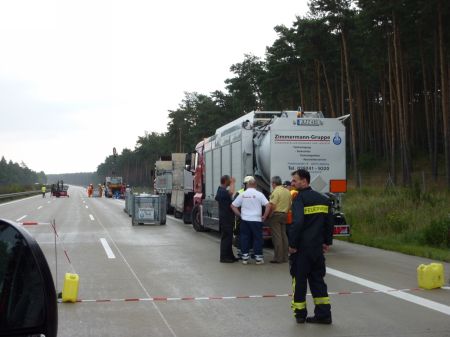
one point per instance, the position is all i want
(280, 204)
(226, 218)
(251, 203)
(237, 221)
(43, 190)
(310, 236)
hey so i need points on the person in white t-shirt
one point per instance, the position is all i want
(251, 203)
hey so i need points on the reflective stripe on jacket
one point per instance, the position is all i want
(312, 221)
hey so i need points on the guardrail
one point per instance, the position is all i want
(19, 194)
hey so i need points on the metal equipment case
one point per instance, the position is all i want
(149, 209)
(129, 202)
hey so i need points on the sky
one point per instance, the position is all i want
(78, 78)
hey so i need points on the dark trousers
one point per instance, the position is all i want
(252, 230)
(226, 240)
(307, 267)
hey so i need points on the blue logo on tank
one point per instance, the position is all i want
(336, 139)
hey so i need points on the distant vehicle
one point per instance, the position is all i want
(163, 180)
(59, 189)
(268, 143)
(114, 187)
(174, 178)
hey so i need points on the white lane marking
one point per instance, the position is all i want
(107, 248)
(39, 207)
(49, 202)
(13, 202)
(86, 206)
(169, 327)
(445, 309)
(92, 217)
(21, 218)
(446, 288)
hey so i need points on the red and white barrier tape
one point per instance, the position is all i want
(211, 298)
(53, 226)
(33, 223)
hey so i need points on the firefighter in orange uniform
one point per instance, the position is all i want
(90, 190)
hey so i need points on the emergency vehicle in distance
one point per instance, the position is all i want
(114, 186)
(268, 143)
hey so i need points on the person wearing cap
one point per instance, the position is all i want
(280, 204)
(223, 197)
(251, 203)
(237, 220)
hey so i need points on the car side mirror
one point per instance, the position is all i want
(28, 304)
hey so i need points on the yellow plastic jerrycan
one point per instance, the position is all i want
(70, 288)
(430, 276)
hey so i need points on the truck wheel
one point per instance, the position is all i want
(186, 218)
(196, 220)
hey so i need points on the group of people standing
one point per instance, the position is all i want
(302, 243)
(90, 190)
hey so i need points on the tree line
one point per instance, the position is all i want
(15, 177)
(79, 179)
(386, 63)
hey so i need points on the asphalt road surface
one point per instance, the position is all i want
(167, 280)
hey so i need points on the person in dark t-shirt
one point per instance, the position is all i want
(226, 218)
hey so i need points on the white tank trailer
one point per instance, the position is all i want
(266, 144)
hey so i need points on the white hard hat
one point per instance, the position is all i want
(248, 179)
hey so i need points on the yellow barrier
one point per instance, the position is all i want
(70, 288)
(430, 276)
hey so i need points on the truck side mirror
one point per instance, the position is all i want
(28, 304)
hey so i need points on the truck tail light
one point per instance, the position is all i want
(267, 233)
(341, 230)
(338, 186)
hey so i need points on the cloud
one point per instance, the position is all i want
(78, 78)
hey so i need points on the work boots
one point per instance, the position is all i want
(318, 320)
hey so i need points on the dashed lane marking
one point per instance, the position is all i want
(107, 248)
(163, 318)
(86, 206)
(39, 207)
(21, 218)
(92, 217)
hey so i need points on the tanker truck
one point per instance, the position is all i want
(268, 143)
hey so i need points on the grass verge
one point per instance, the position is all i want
(405, 220)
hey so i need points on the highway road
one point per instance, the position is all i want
(167, 281)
